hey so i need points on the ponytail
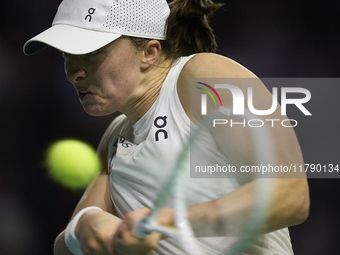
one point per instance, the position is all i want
(188, 29)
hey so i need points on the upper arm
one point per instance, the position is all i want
(236, 141)
(98, 192)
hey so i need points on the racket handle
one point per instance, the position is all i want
(141, 228)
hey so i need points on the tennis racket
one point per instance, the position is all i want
(173, 190)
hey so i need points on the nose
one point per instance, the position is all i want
(75, 72)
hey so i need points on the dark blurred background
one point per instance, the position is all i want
(288, 38)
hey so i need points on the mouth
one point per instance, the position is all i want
(84, 94)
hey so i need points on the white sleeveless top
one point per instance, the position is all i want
(140, 159)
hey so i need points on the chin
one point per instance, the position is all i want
(95, 111)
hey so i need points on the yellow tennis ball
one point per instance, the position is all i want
(72, 163)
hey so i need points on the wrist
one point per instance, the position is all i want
(71, 240)
(202, 217)
(86, 216)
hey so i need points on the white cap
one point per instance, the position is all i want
(83, 26)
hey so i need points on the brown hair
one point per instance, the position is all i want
(187, 30)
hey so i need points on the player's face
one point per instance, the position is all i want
(106, 79)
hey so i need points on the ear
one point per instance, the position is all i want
(151, 53)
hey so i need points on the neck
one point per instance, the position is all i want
(148, 91)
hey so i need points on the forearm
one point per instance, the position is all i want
(288, 205)
(97, 194)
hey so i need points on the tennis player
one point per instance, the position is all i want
(137, 57)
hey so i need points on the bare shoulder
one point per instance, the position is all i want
(207, 65)
(210, 65)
